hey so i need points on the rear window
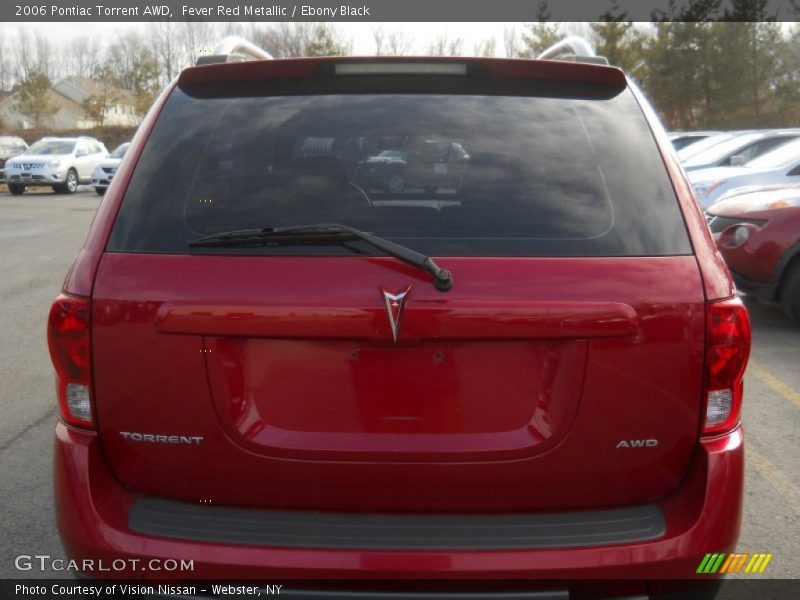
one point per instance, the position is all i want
(492, 168)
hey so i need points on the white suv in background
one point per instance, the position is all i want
(106, 169)
(61, 163)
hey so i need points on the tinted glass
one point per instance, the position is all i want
(569, 171)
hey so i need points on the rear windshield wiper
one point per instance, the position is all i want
(326, 233)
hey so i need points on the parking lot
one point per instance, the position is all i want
(40, 232)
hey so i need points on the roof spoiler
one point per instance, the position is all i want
(233, 49)
(573, 48)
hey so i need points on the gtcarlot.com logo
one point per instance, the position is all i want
(44, 562)
(743, 562)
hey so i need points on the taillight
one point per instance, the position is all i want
(727, 350)
(68, 339)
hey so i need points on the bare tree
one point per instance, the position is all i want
(195, 38)
(125, 54)
(164, 42)
(442, 45)
(24, 57)
(48, 61)
(302, 39)
(82, 56)
(399, 43)
(226, 28)
(510, 42)
(485, 47)
(284, 39)
(5, 68)
(379, 37)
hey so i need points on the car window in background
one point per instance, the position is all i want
(120, 151)
(45, 148)
(764, 146)
(546, 175)
(719, 151)
(702, 146)
(781, 156)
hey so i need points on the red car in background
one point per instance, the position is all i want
(758, 234)
(536, 377)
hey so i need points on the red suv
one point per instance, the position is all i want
(267, 370)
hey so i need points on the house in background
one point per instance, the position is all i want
(68, 96)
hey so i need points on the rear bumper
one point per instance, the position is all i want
(93, 512)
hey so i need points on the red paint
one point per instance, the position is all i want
(758, 258)
(491, 319)
(665, 294)
(496, 67)
(702, 514)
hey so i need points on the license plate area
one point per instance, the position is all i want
(432, 400)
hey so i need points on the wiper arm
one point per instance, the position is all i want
(327, 233)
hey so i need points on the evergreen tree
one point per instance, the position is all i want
(619, 41)
(33, 97)
(540, 35)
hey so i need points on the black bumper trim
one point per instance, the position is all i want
(767, 292)
(186, 521)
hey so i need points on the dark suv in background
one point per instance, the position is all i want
(534, 376)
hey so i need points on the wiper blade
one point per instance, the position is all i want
(326, 233)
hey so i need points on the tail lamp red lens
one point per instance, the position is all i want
(68, 333)
(727, 349)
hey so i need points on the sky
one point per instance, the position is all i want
(360, 33)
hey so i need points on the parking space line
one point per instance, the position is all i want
(773, 475)
(773, 382)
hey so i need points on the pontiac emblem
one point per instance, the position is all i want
(395, 303)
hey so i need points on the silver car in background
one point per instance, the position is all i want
(778, 166)
(104, 172)
(740, 149)
(60, 163)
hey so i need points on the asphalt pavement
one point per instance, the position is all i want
(41, 232)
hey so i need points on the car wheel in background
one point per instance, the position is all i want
(71, 185)
(16, 189)
(790, 293)
(100, 190)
